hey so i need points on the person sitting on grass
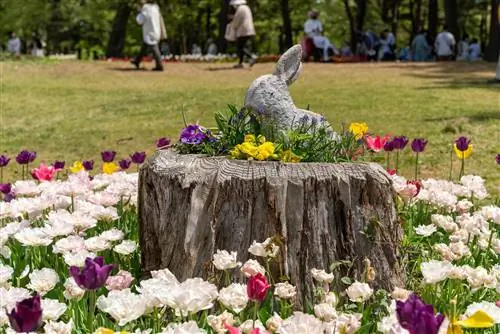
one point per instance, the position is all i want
(445, 45)
(314, 30)
(14, 45)
(474, 50)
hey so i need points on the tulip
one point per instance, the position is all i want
(462, 143)
(376, 144)
(110, 168)
(27, 315)
(9, 197)
(44, 172)
(463, 149)
(88, 165)
(498, 158)
(59, 165)
(5, 188)
(4, 161)
(94, 275)
(417, 317)
(162, 143)
(125, 163)
(23, 158)
(138, 157)
(391, 171)
(257, 287)
(399, 142)
(418, 146)
(389, 146)
(76, 167)
(32, 156)
(358, 129)
(108, 156)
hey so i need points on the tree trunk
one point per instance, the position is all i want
(224, 11)
(492, 51)
(287, 24)
(352, 25)
(433, 19)
(54, 27)
(497, 76)
(360, 14)
(117, 37)
(451, 17)
(190, 206)
(395, 17)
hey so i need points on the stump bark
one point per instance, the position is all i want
(190, 206)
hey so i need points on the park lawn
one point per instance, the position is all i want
(74, 110)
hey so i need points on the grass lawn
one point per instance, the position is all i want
(73, 110)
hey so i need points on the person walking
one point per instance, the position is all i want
(153, 31)
(445, 45)
(14, 45)
(242, 29)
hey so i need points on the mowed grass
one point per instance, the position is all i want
(74, 110)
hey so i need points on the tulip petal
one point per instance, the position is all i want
(480, 319)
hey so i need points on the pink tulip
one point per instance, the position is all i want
(233, 330)
(376, 144)
(44, 172)
(257, 287)
(120, 281)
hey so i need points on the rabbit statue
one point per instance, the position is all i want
(268, 95)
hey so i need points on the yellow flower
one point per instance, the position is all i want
(103, 330)
(479, 319)
(248, 149)
(77, 167)
(264, 151)
(358, 129)
(261, 139)
(289, 156)
(110, 168)
(236, 152)
(463, 154)
(249, 138)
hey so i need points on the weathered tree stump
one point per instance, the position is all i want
(190, 206)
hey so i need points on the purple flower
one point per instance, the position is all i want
(418, 145)
(498, 158)
(125, 163)
(108, 156)
(27, 315)
(5, 188)
(399, 142)
(32, 156)
(4, 160)
(9, 197)
(417, 317)
(162, 142)
(23, 158)
(193, 134)
(59, 164)
(88, 165)
(93, 275)
(138, 157)
(462, 143)
(389, 146)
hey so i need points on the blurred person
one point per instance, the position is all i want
(474, 50)
(463, 48)
(241, 29)
(212, 47)
(420, 47)
(37, 46)
(196, 50)
(14, 44)
(314, 30)
(153, 31)
(445, 45)
(387, 46)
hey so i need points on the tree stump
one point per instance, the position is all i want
(190, 206)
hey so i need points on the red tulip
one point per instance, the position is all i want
(376, 144)
(391, 171)
(44, 172)
(257, 287)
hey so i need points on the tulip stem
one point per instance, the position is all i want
(255, 312)
(451, 163)
(416, 167)
(462, 167)
(90, 316)
(388, 161)
(1, 174)
(397, 162)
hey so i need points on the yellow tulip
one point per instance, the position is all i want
(77, 167)
(110, 168)
(264, 151)
(358, 129)
(463, 154)
(479, 319)
(248, 149)
(103, 330)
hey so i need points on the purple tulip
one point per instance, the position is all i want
(23, 158)
(93, 275)
(193, 135)
(418, 145)
(138, 157)
(32, 156)
(389, 146)
(462, 143)
(9, 197)
(59, 164)
(399, 142)
(417, 317)
(108, 156)
(5, 188)
(88, 165)
(4, 161)
(124, 164)
(27, 315)
(498, 158)
(162, 142)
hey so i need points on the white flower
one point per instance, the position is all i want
(325, 312)
(477, 277)
(5, 274)
(460, 249)
(285, 291)
(223, 260)
(435, 271)
(400, 294)
(390, 325)
(192, 296)
(265, 249)
(322, 276)
(459, 235)
(252, 268)
(444, 222)
(457, 273)
(52, 309)
(72, 290)
(43, 280)
(157, 292)
(273, 324)
(97, 244)
(126, 247)
(9, 297)
(165, 275)
(331, 298)
(77, 259)
(250, 325)
(26, 188)
(464, 206)
(185, 328)
(491, 212)
(300, 323)
(52, 327)
(359, 292)
(112, 235)
(73, 243)
(445, 252)
(348, 323)
(234, 297)
(425, 230)
(123, 305)
(487, 307)
(475, 186)
(218, 322)
(33, 237)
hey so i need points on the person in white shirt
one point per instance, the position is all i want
(314, 30)
(14, 45)
(445, 45)
(153, 31)
(463, 48)
(241, 29)
(474, 50)
(387, 46)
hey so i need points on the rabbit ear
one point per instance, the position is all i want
(289, 65)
